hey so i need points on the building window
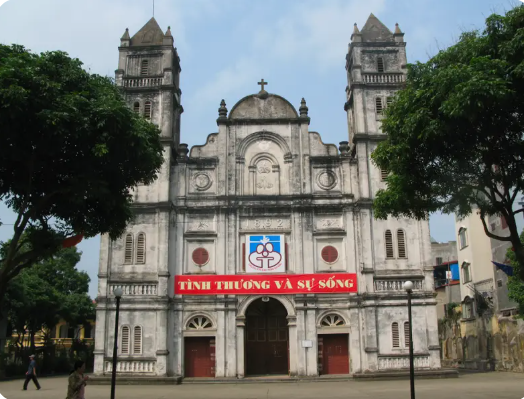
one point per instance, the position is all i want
(389, 101)
(379, 106)
(384, 174)
(128, 251)
(395, 335)
(401, 242)
(466, 271)
(200, 256)
(438, 261)
(144, 68)
(329, 254)
(467, 308)
(389, 245)
(141, 248)
(463, 239)
(199, 323)
(147, 110)
(332, 320)
(63, 331)
(406, 334)
(137, 340)
(124, 341)
(136, 107)
(380, 64)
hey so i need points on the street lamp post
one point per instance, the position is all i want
(408, 286)
(118, 294)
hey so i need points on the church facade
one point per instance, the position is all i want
(265, 200)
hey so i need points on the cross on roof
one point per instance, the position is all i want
(262, 83)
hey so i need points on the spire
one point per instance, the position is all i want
(125, 40)
(397, 29)
(222, 112)
(149, 35)
(355, 29)
(168, 32)
(398, 35)
(125, 36)
(375, 31)
(168, 37)
(303, 108)
(356, 36)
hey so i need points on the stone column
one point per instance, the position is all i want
(100, 334)
(220, 341)
(293, 346)
(240, 326)
(311, 334)
(370, 338)
(161, 342)
(231, 348)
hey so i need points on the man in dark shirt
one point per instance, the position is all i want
(31, 373)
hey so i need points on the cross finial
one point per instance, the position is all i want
(262, 84)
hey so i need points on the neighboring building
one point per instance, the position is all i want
(446, 274)
(265, 194)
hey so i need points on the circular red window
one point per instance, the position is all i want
(329, 254)
(200, 256)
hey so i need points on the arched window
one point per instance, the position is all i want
(406, 334)
(124, 341)
(136, 107)
(380, 64)
(147, 110)
(395, 335)
(332, 320)
(401, 242)
(389, 245)
(137, 340)
(128, 250)
(379, 107)
(63, 331)
(141, 248)
(144, 68)
(199, 323)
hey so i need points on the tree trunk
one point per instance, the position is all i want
(33, 346)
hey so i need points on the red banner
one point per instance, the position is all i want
(326, 283)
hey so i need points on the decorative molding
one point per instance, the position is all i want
(327, 180)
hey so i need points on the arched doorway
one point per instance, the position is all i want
(267, 338)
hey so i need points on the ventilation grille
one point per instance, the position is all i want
(136, 107)
(137, 340)
(128, 256)
(380, 64)
(378, 105)
(141, 248)
(401, 244)
(384, 174)
(144, 70)
(406, 333)
(125, 341)
(147, 110)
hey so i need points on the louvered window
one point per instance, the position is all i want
(384, 174)
(389, 100)
(136, 107)
(141, 248)
(137, 340)
(380, 64)
(389, 245)
(144, 68)
(401, 241)
(200, 256)
(395, 335)
(124, 347)
(379, 106)
(128, 255)
(329, 254)
(147, 110)
(406, 334)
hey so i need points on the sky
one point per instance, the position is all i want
(227, 46)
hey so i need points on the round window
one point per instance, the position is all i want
(200, 256)
(329, 254)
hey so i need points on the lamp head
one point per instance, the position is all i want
(118, 292)
(408, 286)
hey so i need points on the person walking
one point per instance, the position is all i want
(77, 381)
(31, 373)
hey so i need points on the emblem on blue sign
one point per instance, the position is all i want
(265, 254)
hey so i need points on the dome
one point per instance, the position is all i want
(269, 106)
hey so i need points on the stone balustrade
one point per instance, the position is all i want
(135, 289)
(383, 78)
(131, 366)
(395, 285)
(402, 362)
(142, 82)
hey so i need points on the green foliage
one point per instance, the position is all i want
(71, 150)
(515, 284)
(49, 291)
(455, 133)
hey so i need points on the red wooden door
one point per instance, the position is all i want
(199, 357)
(333, 354)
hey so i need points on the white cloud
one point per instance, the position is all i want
(2, 2)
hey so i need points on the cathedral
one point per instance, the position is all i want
(257, 253)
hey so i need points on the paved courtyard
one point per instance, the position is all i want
(468, 386)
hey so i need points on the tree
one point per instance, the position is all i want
(455, 132)
(49, 291)
(70, 151)
(515, 284)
